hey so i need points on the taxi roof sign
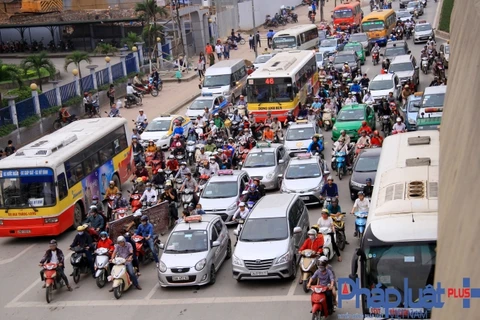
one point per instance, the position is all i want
(195, 218)
(304, 156)
(418, 94)
(301, 120)
(263, 145)
(225, 172)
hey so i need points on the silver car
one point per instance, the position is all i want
(222, 193)
(194, 252)
(299, 136)
(422, 32)
(304, 176)
(266, 162)
(268, 242)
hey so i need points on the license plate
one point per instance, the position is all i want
(24, 231)
(304, 198)
(258, 273)
(180, 278)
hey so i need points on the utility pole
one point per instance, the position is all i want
(322, 4)
(254, 29)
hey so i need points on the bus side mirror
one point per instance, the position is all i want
(295, 90)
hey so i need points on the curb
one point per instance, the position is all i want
(436, 21)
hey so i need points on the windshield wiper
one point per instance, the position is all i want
(276, 100)
(30, 205)
(269, 239)
(182, 251)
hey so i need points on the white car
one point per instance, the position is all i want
(262, 59)
(299, 136)
(423, 32)
(213, 103)
(382, 84)
(160, 129)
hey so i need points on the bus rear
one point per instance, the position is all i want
(346, 16)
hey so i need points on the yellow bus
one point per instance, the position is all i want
(378, 25)
(282, 83)
(47, 186)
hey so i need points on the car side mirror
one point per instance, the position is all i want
(215, 244)
(326, 172)
(417, 67)
(280, 176)
(295, 90)
(281, 161)
(235, 232)
(334, 120)
(161, 246)
(297, 230)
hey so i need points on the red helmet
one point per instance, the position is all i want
(364, 123)
(144, 179)
(178, 144)
(204, 177)
(375, 132)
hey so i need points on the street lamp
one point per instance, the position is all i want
(75, 72)
(134, 49)
(33, 86)
(107, 59)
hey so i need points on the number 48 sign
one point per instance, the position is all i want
(269, 81)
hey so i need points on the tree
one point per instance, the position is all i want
(10, 72)
(130, 39)
(105, 48)
(77, 57)
(37, 62)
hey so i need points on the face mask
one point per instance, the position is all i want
(312, 237)
(183, 167)
(94, 202)
(149, 189)
(80, 233)
(103, 238)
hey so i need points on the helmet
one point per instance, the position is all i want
(360, 193)
(364, 123)
(183, 163)
(335, 200)
(407, 86)
(212, 122)
(325, 211)
(369, 180)
(253, 187)
(399, 119)
(144, 218)
(95, 198)
(141, 110)
(93, 208)
(375, 132)
(363, 131)
(341, 139)
(111, 182)
(330, 178)
(312, 232)
(343, 131)
(121, 239)
(53, 241)
(81, 228)
(134, 138)
(104, 233)
(144, 179)
(149, 184)
(323, 259)
(171, 156)
(241, 204)
(150, 141)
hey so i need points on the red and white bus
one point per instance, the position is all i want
(346, 15)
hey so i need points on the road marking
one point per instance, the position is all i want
(152, 292)
(294, 284)
(24, 292)
(5, 261)
(158, 302)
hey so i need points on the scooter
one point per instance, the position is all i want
(95, 110)
(79, 263)
(135, 202)
(120, 277)
(191, 152)
(144, 254)
(187, 197)
(339, 224)
(139, 126)
(109, 200)
(319, 302)
(425, 65)
(102, 267)
(340, 164)
(327, 120)
(375, 58)
(360, 222)
(327, 243)
(120, 213)
(136, 99)
(308, 266)
(53, 281)
(386, 125)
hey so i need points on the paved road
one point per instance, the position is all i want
(21, 296)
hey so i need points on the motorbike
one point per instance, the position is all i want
(59, 123)
(120, 277)
(319, 302)
(131, 100)
(415, 13)
(308, 266)
(269, 22)
(341, 163)
(138, 158)
(425, 65)
(339, 224)
(327, 243)
(120, 213)
(178, 183)
(78, 260)
(95, 110)
(187, 197)
(109, 201)
(327, 120)
(139, 126)
(440, 71)
(399, 34)
(144, 254)
(149, 88)
(190, 152)
(112, 115)
(360, 222)
(102, 267)
(386, 125)
(53, 281)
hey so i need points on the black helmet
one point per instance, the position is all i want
(53, 241)
(144, 218)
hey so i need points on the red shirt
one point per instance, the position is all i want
(172, 164)
(107, 244)
(366, 129)
(315, 245)
(376, 141)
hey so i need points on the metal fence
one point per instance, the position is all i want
(86, 83)
(25, 109)
(117, 71)
(48, 99)
(131, 65)
(102, 77)
(68, 91)
(5, 116)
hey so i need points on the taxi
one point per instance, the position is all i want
(194, 252)
(214, 103)
(358, 48)
(160, 129)
(266, 162)
(429, 118)
(299, 136)
(304, 176)
(350, 119)
(410, 111)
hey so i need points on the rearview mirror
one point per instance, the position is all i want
(235, 232)
(326, 172)
(280, 176)
(281, 161)
(161, 246)
(215, 244)
(297, 230)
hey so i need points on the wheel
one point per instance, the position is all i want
(57, 125)
(213, 274)
(76, 275)
(317, 316)
(340, 240)
(49, 294)
(160, 86)
(77, 215)
(101, 279)
(116, 180)
(139, 101)
(294, 269)
(304, 285)
(242, 42)
(339, 172)
(117, 292)
(229, 250)
(154, 93)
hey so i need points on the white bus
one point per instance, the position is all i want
(301, 37)
(400, 237)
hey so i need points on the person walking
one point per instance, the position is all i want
(219, 50)
(111, 94)
(226, 51)
(251, 42)
(201, 67)
(257, 39)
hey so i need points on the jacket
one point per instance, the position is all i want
(82, 240)
(107, 244)
(315, 245)
(145, 230)
(95, 221)
(48, 256)
(316, 146)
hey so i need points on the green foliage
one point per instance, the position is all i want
(120, 80)
(148, 10)
(5, 130)
(50, 111)
(22, 93)
(104, 87)
(445, 15)
(30, 121)
(105, 48)
(10, 73)
(73, 101)
(77, 57)
(37, 63)
(130, 39)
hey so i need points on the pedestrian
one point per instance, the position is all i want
(314, 8)
(178, 75)
(270, 35)
(202, 56)
(111, 94)
(226, 51)
(257, 38)
(200, 67)
(10, 148)
(251, 42)
(219, 50)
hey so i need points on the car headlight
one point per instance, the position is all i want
(283, 259)
(411, 121)
(162, 267)
(317, 188)
(270, 175)
(334, 128)
(164, 137)
(225, 93)
(200, 265)
(232, 207)
(356, 184)
(237, 261)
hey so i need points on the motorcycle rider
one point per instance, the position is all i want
(170, 195)
(124, 249)
(326, 221)
(119, 202)
(172, 164)
(114, 112)
(131, 94)
(355, 87)
(253, 194)
(214, 167)
(54, 255)
(316, 146)
(365, 128)
(95, 220)
(145, 229)
(376, 139)
(149, 195)
(367, 98)
(241, 212)
(88, 103)
(260, 187)
(190, 183)
(361, 204)
(96, 203)
(182, 171)
(151, 148)
(314, 242)
(159, 177)
(210, 146)
(276, 127)
(345, 136)
(200, 155)
(111, 190)
(65, 116)
(141, 171)
(435, 82)
(83, 240)
(368, 188)
(363, 141)
(406, 92)
(386, 64)
(142, 117)
(324, 277)
(376, 48)
(351, 99)
(137, 150)
(178, 129)
(330, 189)
(399, 126)
(324, 261)
(365, 81)
(268, 134)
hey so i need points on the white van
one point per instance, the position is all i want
(227, 77)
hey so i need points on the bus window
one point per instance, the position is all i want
(62, 186)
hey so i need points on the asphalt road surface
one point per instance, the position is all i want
(21, 295)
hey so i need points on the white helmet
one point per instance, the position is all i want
(399, 119)
(312, 232)
(330, 178)
(120, 239)
(241, 204)
(323, 259)
(138, 213)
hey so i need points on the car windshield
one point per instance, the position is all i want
(373, 26)
(303, 171)
(395, 51)
(27, 187)
(343, 13)
(447, 49)
(399, 67)
(278, 92)
(329, 43)
(412, 4)
(423, 27)
(300, 134)
(266, 229)
(355, 47)
(389, 266)
(188, 241)
(433, 100)
(217, 81)
(158, 125)
(284, 42)
(260, 159)
(220, 189)
(367, 164)
(319, 56)
(200, 104)
(380, 85)
(342, 58)
(359, 37)
(262, 59)
(403, 14)
(413, 106)
(351, 115)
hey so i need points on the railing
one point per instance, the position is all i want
(102, 77)
(117, 71)
(48, 99)
(5, 116)
(25, 109)
(86, 83)
(68, 91)
(131, 65)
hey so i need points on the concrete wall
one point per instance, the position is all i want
(459, 222)
(262, 8)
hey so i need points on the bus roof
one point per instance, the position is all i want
(295, 30)
(283, 64)
(377, 15)
(347, 5)
(53, 149)
(406, 184)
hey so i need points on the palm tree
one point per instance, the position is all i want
(37, 62)
(77, 57)
(105, 48)
(10, 72)
(131, 38)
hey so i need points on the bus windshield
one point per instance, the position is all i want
(390, 265)
(433, 100)
(284, 42)
(281, 92)
(27, 187)
(373, 26)
(342, 13)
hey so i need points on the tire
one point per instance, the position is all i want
(117, 292)
(57, 125)
(242, 42)
(154, 93)
(229, 250)
(304, 285)
(160, 86)
(139, 101)
(76, 275)
(49, 294)
(340, 241)
(77, 215)
(213, 274)
(293, 276)
(101, 279)
(317, 315)
(117, 182)
(340, 173)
